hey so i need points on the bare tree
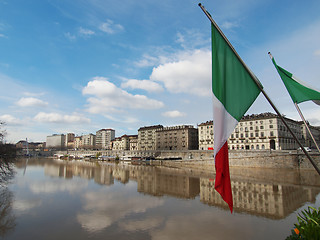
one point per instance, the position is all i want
(2, 132)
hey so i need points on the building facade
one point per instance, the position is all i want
(258, 132)
(183, 137)
(104, 138)
(147, 137)
(133, 142)
(88, 141)
(205, 132)
(77, 142)
(56, 141)
(121, 143)
(307, 139)
(69, 143)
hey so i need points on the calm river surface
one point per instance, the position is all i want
(51, 199)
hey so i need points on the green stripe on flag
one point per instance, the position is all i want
(298, 92)
(231, 82)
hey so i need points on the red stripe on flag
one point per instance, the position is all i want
(223, 183)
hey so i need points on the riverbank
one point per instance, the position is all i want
(198, 159)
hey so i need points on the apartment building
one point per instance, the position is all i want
(147, 137)
(77, 142)
(56, 141)
(258, 131)
(104, 138)
(205, 132)
(69, 143)
(121, 143)
(133, 142)
(307, 139)
(88, 141)
(183, 137)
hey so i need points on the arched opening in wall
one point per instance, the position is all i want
(257, 147)
(273, 144)
(262, 147)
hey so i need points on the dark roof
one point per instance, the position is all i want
(151, 127)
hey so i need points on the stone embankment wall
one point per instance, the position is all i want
(204, 159)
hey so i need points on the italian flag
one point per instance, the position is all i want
(298, 90)
(234, 90)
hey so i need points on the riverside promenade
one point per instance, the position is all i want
(199, 159)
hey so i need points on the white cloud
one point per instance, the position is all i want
(173, 114)
(86, 32)
(229, 25)
(31, 102)
(317, 52)
(192, 39)
(110, 27)
(59, 118)
(33, 94)
(10, 120)
(191, 73)
(147, 61)
(70, 36)
(147, 85)
(109, 98)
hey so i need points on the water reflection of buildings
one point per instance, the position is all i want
(267, 198)
(158, 183)
(274, 201)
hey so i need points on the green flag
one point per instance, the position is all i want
(298, 90)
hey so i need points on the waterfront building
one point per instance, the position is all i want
(259, 132)
(121, 143)
(77, 142)
(307, 140)
(147, 137)
(133, 142)
(88, 141)
(104, 138)
(116, 144)
(69, 143)
(56, 141)
(184, 137)
(205, 132)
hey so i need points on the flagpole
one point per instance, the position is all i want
(305, 123)
(260, 87)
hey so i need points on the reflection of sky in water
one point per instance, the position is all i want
(58, 202)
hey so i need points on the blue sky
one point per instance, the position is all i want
(82, 65)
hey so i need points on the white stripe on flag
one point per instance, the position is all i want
(223, 124)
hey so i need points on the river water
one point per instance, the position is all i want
(53, 199)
